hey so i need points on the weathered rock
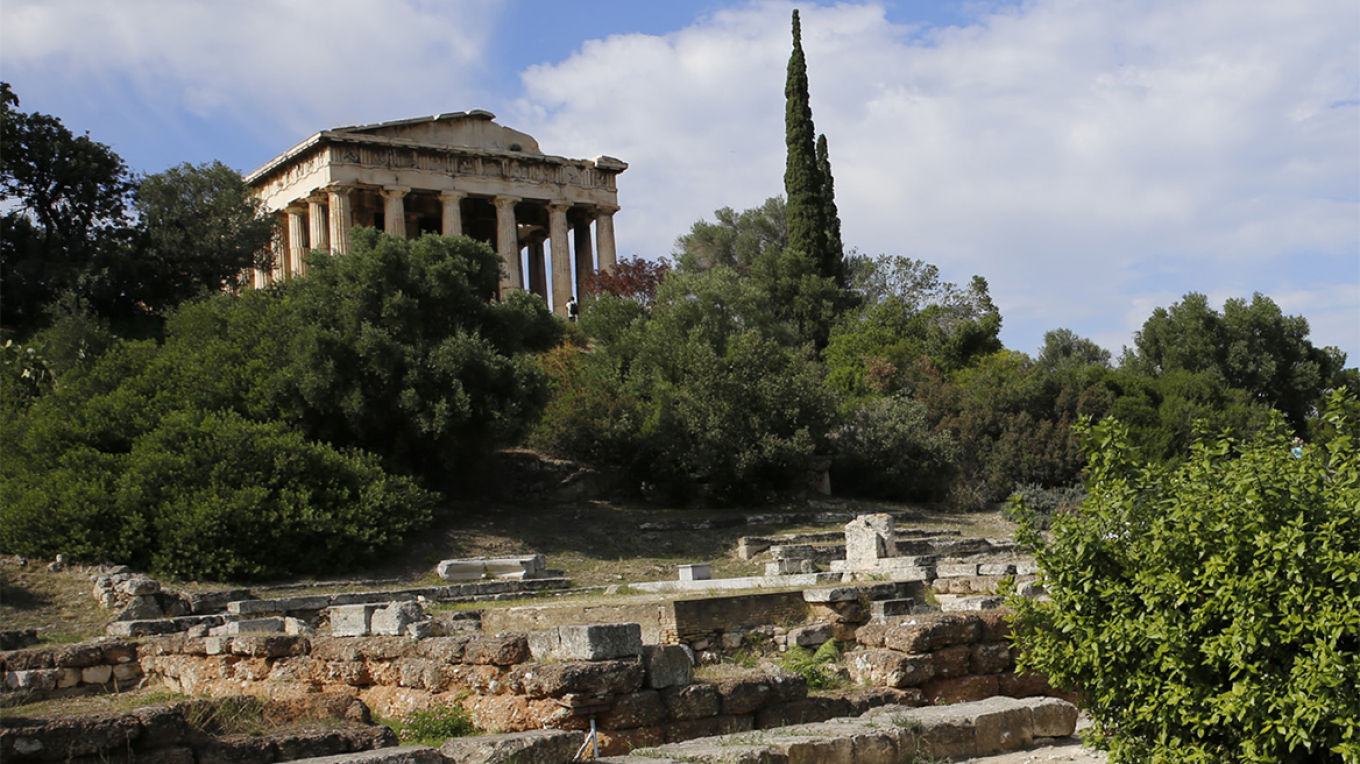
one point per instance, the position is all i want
(889, 668)
(961, 689)
(393, 619)
(638, 709)
(530, 747)
(694, 701)
(667, 666)
(500, 650)
(552, 680)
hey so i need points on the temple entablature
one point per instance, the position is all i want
(458, 173)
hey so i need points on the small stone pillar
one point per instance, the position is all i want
(868, 539)
(699, 571)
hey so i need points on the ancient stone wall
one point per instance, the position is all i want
(233, 729)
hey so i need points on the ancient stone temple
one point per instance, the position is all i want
(458, 173)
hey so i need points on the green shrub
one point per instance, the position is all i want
(432, 726)
(1210, 612)
(818, 668)
(209, 496)
(887, 450)
(1036, 505)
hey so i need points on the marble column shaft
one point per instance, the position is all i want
(585, 259)
(452, 218)
(341, 219)
(561, 257)
(318, 225)
(297, 241)
(507, 243)
(394, 210)
(604, 237)
(538, 268)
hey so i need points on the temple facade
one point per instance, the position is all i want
(452, 174)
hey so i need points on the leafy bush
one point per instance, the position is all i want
(1036, 505)
(887, 450)
(432, 726)
(210, 496)
(1210, 612)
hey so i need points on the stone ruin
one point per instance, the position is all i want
(629, 664)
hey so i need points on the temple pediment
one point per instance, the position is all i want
(464, 129)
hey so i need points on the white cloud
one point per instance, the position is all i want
(1066, 150)
(283, 65)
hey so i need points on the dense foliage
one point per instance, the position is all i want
(1210, 612)
(79, 229)
(266, 434)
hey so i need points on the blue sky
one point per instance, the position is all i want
(1092, 160)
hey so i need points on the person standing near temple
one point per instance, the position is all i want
(573, 309)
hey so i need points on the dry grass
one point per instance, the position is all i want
(59, 605)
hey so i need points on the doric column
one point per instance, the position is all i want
(394, 210)
(453, 213)
(317, 225)
(341, 218)
(585, 260)
(507, 243)
(561, 258)
(280, 246)
(604, 236)
(538, 268)
(297, 240)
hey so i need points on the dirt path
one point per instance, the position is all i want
(1066, 753)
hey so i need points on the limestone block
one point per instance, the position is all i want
(969, 604)
(744, 695)
(832, 594)
(871, 634)
(961, 689)
(789, 567)
(956, 570)
(1027, 568)
(732, 640)
(810, 636)
(141, 609)
(889, 668)
(804, 711)
(528, 747)
(127, 672)
(1002, 724)
(553, 680)
(996, 569)
(77, 656)
(952, 661)
(637, 709)
(1053, 717)
(598, 642)
(990, 658)
(793, 551)
(498, 650)
(392, 620)
(667, 666)
(824, 749)
(699, 571)
(880, 609)
(96, 674)
(692, 701)
(868, 539)
(1032, 590)
(273, 625)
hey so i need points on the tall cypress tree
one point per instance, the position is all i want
(803, 184)
(834, 262)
